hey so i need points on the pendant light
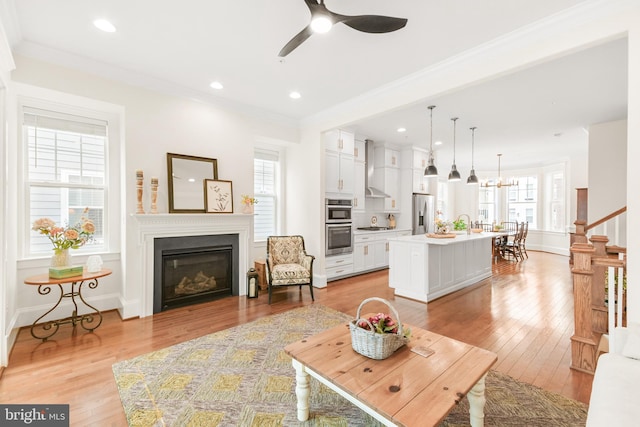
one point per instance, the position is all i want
(454, 175)
(473, 179)
(431, 171)
(499, 183)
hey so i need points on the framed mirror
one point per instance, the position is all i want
(186, 175)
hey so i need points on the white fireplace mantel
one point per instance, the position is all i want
(153, 226)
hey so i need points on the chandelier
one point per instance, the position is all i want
(499, 183)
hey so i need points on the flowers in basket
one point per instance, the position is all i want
(384, 324)
(69, 237)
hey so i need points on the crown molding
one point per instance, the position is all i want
(136, 79)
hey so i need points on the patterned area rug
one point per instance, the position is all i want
(241, 377)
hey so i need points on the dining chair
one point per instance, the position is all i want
(512, 248)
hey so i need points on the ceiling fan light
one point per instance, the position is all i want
(454, 175)
(473, 179)
(321, 24)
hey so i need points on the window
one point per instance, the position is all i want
(539, 199)
(556, 219)
(266, 172)
(523, 200)
(65, 172)
(487, 205)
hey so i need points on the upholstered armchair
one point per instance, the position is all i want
(288, 263)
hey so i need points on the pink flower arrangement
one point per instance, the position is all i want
(66, 237)
(383, 324)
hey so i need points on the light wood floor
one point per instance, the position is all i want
(524, 313)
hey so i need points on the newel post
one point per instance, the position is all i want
(600, 312)
(583, 342)
(580, 236)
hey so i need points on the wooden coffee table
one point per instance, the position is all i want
(406, 389)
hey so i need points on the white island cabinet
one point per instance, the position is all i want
(424, 268)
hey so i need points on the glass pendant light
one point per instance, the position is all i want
(454, 175)
(431, 171)
(473, 179)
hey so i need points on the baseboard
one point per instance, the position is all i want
(128, 309)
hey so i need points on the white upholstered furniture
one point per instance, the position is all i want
(614, 394)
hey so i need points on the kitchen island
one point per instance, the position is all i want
(424, 268)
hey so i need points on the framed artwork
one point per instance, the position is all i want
(185, 176)
(218, 196)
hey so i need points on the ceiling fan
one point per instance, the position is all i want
(322, 19)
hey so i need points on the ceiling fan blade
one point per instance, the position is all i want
(296, 41)
(373, 23)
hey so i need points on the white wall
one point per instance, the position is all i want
(7, 275)
(607, 168)
(155, 124)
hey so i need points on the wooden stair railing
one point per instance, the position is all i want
(590, 263)
(582, 228)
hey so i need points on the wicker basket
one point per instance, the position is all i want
(371, 344)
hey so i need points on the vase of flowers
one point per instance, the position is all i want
(442, 226)
(247, 203)
(65, 238)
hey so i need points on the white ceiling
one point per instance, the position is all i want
(184, 46)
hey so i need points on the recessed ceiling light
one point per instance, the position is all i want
(402, 130)
(437, 143)
(216, 85)
(295, 95)
(104, 25)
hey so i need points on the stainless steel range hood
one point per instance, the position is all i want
(368, 176)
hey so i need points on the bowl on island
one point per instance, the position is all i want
(476, 230)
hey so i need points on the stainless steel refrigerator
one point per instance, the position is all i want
(424, 213)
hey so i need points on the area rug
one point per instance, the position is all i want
(241, 377)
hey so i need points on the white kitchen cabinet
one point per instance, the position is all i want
(339, 163)
(339, 266)
(339, 141)
(363, 252)
(386, 158)
(359, 169)
(381, 252)
(391, 186)
(421, 184)
(386, 176)
(359, 152)
(420, 159)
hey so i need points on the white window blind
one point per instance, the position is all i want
(266, 173)
(65, 164)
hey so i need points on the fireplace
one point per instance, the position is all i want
(147, 230)
(194, 269)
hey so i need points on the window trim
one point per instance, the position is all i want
(274, 154)
(46, 99)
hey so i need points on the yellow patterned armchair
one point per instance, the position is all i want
(288, 263)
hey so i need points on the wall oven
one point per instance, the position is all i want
(337, 210)
(338, 227)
